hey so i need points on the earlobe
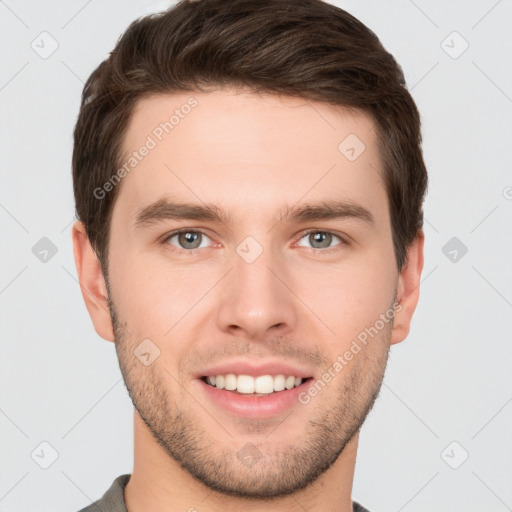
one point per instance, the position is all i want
(92, 282)
(408, 290)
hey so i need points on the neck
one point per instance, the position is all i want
(159, 484)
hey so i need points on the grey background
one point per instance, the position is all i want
(449, 382)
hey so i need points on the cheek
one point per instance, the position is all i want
(145, 296)
(155, 297)
(351, 298)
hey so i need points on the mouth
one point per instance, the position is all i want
(262, 385)
(253, 397)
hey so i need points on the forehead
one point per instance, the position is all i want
(248, 150)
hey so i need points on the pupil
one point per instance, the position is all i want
(188, 239)
(322, 238)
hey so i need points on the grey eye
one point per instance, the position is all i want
(189, 240)
(320, 239)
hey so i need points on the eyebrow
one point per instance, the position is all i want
(164, 209)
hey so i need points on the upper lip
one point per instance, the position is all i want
(254, 369)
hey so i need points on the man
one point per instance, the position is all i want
(249, 183)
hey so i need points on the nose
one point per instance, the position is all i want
(256, 300)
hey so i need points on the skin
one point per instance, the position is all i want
(252, 155)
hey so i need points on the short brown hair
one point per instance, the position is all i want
(301, 48)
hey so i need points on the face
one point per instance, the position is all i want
(251, 247)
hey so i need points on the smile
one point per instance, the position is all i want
(241, 395)
(247, 384)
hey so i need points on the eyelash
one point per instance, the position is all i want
(328, 250)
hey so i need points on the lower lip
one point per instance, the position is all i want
(250, 406)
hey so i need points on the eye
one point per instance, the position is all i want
(188, 239)
(320, 239)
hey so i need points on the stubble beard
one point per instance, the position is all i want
(337, 414)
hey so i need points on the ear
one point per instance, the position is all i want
(408, 290)
(92, 282)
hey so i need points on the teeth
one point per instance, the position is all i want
(279, 381)
(246, 384)
(230, 382)
(263, 384)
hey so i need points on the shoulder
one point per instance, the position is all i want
(113, 499)
(358, 508)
